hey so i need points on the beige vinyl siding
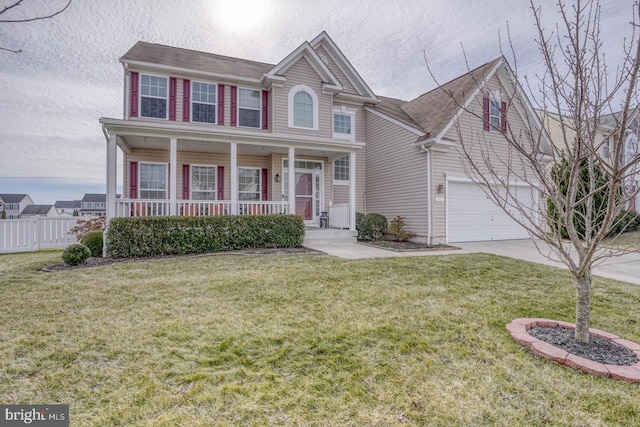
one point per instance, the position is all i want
(348, 87)
(450, 164)
(302, 73)
(341, 194)
(396, 174)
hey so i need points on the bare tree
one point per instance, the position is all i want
(29, 19)
(582, 186)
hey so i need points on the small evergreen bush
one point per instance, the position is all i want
(76, 254)
(373, 226)
(93, 240)
(396, 231)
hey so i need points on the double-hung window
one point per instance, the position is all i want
(153, 96)
(341, 171)
(153, 181)
(203, 182)
(344, 123)
(203, 102)
(303, 110)
(495, 114)
(605, 146)
(249, 108)
(249, 184)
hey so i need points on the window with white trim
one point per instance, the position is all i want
(344, 123)
(249, 183)
(203, 102)
(203, 182)
(605, 146)
(495, 112)
(303, 108)
(249, 113)
(341, 171)
(153, 96)
(153, 180)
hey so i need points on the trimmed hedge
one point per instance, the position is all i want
(180, 235)
(93, 240)
(76, 254)
(371, 226)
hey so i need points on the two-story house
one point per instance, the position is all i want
(204, 134)
(207, 134)
(93, 204)
(14, 204)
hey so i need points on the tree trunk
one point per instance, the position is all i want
(583, 307)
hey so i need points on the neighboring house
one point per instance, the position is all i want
(607, 128)
(14, 204)
(67, 207)
(205, 134)
(39, 210)
(93, 204)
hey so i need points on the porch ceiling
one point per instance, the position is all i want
(142, 135)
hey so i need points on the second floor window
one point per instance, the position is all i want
(153, 96)
(303, 110)
(249, 108)
(605, 146)
(203, 102)
(495, 115)
(153, 181)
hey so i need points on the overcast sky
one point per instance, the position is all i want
(68, 74)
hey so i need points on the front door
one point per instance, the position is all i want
(304, 195)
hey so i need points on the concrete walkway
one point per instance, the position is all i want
(624, 267)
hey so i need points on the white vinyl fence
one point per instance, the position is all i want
(32, 234)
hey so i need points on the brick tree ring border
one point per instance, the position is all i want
(519, 331)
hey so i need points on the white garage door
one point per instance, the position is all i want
(472, 217)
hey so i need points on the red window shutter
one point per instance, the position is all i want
(186, 100)
(220, 104)
(503, 120)
(133, 180)
(220, 182)
(265, 186)
(185, 182)
(486, 125)
(133, 91)
(234, 105)
(173, 90)
(265, 109)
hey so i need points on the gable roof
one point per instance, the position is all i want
(93, 197)
(36, 210)
(186, 59)
(12, 198)
(434, 110)
(67, 204)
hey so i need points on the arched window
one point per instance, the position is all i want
(303, 108)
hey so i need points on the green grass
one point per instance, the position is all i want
(302, 341)
(629, 242)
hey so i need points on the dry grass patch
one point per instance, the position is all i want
(625, 242)
(302, 340)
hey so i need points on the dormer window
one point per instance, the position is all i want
(153, 96)
(303, 108)
(203, 102)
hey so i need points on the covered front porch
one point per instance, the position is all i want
(179, 169)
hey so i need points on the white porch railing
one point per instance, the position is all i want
(339, 215)
(32, 234)
(137, 207)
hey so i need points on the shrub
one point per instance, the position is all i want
(86, 225)
(154, 236)
(373, 226)
(625, 221)
(76, 254)
(396, 231)
(93, 240)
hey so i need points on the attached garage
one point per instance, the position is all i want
(473, 217)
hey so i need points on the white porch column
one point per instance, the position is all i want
(352, 191)
(112, 173)
(173, 175)
(292, 180)
(234, 178)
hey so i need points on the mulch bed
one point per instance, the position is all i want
(405, 246)
(97, 262)
(598, 349)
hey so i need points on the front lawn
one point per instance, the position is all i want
(302, 340)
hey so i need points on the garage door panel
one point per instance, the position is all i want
(472, 216)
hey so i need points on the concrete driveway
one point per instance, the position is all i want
(624, 267)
